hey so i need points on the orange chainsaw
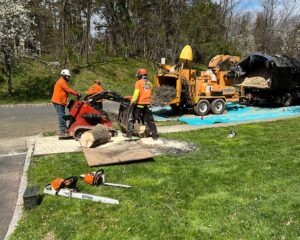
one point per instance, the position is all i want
(98, 178)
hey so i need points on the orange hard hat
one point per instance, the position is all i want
(141, 71)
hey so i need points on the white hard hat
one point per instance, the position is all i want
(65, 72)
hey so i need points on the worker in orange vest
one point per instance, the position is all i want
(141, 103)
(60, 98)
(96, 88)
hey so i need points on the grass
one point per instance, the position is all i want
(33, 81)
(169, 123)
(245, 187)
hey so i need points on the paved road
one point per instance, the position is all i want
(29, 120)
(10, 175)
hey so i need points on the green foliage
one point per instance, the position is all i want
(245, 187)
(205, 30)
(34, 80)
(31, 80)
(117, 74)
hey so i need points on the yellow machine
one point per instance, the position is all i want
(207, 92)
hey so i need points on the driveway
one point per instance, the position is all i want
(10, 175)
(28, 120)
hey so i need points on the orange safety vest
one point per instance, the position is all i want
(95, 88)
(145, 91)
(61, 91)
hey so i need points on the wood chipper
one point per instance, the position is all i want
(205, 93)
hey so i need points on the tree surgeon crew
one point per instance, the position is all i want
(96, 88)
(140, 102)
(60, 99)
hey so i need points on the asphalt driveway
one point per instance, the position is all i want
(28, 120)
(10, 175)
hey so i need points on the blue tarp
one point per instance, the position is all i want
(235, 113)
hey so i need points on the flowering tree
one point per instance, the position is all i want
(15, 34)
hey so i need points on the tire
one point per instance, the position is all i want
(175, 108)
(218, 106)
(286, 100)
(202, 108)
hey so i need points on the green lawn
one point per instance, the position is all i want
(230, 188)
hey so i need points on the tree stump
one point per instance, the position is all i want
(100, 134)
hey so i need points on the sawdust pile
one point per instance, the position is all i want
(167, 147)
(259, 79)
(158, 147)
(163, 95)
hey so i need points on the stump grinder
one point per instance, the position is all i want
(86, 114)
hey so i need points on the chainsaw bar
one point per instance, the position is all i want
(116, 185)
(107, 183)
(71, 194)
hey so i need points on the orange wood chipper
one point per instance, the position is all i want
(205, 93)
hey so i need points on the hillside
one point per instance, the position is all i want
(33, 81)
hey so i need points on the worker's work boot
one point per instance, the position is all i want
(127, 136)
(63, 134)
(155, 137)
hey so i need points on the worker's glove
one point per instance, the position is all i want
(131, 105)
(79, 95)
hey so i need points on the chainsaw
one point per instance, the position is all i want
(98, 178)
(67, 188)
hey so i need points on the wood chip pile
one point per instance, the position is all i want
(259, 79)
(163, 95)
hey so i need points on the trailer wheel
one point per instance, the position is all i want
(286, 100)
(175, 108)
(218, 106)
(202, 108)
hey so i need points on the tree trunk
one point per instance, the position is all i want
(9, 81)
(9, 68)
(98, 135)
(63, 30)
(88, 26)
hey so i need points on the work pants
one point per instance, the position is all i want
(145, 112)
(60, 110)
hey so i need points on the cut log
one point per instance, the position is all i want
(100, 134)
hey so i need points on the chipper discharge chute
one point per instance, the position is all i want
(180, 87)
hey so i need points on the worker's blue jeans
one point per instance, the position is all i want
(60, 110)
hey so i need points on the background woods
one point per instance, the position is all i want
(80, 33)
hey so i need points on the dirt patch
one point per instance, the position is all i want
(49, 236)
(258, 79)
(167, 146)
(163, 95)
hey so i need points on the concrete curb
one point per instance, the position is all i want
(23, 184)
(25, 105)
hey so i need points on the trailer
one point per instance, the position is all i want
(273, 79)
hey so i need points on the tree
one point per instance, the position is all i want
(15, 34)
